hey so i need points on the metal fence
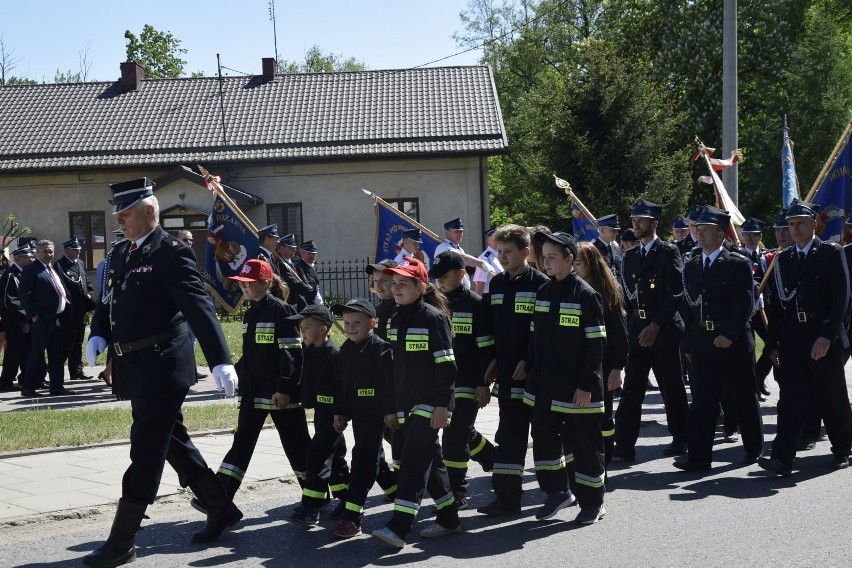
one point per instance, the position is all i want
(341, 280)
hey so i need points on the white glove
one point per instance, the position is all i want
(226, 378)
(95, 346)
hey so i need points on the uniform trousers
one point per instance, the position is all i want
(46, 336)
(15, 357)
(461, 442)
(387, 477)
(292, 429)
(608, 423)
(803, 380)
(73, 329)
(666, 365)
(367, 455)
(554, 431)
(728, 373)
(156, 436)
(422, 468)
(326, 468)
(513, 434)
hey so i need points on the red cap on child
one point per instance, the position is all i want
(410, 267)
(254, 270)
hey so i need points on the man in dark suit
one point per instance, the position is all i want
(153, 295)
(268, 237)
(304, 264)
(73, 321)
(15, 319)
(44, 298)
(752, 232)
(719, 298)
(804, 339)
(606, 243)
(302, 294)
(653, 288)
(688, 242)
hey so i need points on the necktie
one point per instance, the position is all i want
(130, 251)
(801, 257)
(642, 252)
(706, 264)
(132, 246)
(60, 289)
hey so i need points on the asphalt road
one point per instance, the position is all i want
(656, 516)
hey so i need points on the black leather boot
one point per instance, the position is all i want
(221, 511)
(120, 547)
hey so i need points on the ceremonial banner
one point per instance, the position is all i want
(390, 224)
(231, 240)
(834, 194)
(584, 229)
(723, 199)
(789, 181)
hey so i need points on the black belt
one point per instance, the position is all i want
(709, 325)
(124, 348)
(805, 317)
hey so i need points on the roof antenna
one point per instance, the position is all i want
(222, 101)
(274, 30)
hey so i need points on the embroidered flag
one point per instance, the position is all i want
(789, 181)
(834, 195)
(390, 224)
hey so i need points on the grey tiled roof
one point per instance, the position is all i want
(440, 110)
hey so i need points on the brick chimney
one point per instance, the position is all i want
(268, 68)
(131, 76)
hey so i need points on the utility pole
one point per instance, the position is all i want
(729, 96)
(274, 30)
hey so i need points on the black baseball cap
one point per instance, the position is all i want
(355, 305)
(558, 238)
(445, 262)
(319, 312)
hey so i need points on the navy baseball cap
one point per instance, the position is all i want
(380, 266)
(644, 208)
(126, 194)
(445, 262)
(802, 209)
(558, 238)
(609, 221)
(752, 225)
(355, 305)
(629, 235)
(714, 216)
(319, 312)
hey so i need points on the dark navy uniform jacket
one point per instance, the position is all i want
(272, 354)
(319, 375)
(384, 311)
(566, 347)
(473, 341)
(38, 294)
(653, 288)
(154, 290)
(726, 305)
(301, 294)
(309, 276)
(365, 386)
(612, 254)
(511, 306)
(73, 275)
(821, 285)
(11, 310)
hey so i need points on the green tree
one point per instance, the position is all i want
(158, 52)
(318, 61)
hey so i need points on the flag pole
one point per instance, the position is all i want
(830, 161)
(564, 185)
(384, 203)
(220, 191)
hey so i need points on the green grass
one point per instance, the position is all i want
(51, 428)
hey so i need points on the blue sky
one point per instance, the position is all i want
(48, 35)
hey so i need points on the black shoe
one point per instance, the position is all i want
(840, 461)
(689, 466)
(62, 391)
(761, 397)
(199, 376)
(102, 377)
(221, 511)
(120, 547)
(10, 387)
(764, 390)
(806, 445)
(774, 466)
(497, 508)
(620, 454)
(306, 515)
(81, 376)
(30, 394)
(751, 459)
(554, 503)
(675, 449)
(196, 504)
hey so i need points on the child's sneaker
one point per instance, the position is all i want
(590, 515)
(305, 515)
(389, 537)
(346, 529)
